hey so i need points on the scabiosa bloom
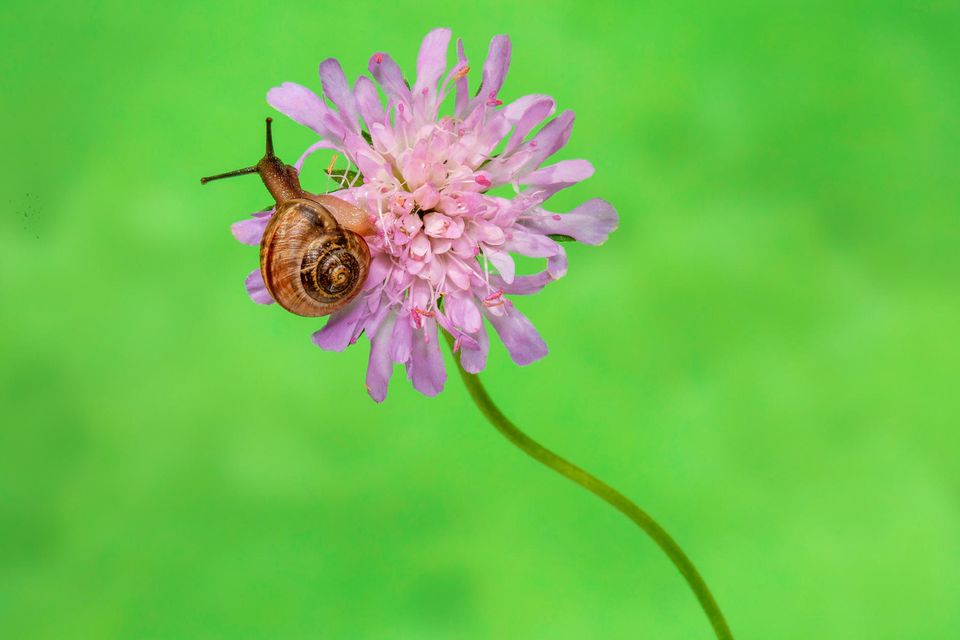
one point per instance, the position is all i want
(441, 251)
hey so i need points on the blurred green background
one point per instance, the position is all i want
(765, 355)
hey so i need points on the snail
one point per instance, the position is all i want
(313, 257)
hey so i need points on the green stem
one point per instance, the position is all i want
(603, 491)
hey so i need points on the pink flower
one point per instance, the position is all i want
(442, 252)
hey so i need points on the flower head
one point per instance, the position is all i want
(441, 251)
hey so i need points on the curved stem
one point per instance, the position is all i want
(603, 491)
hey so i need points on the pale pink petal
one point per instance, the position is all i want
(474, 360)
(432, 60)
(301, 105)
(250, 231)
(522, 285)
(494, 70)
(557, 264)
(502, 260)
(337, 89)
(439, 225)
(388, 74)
(368, 101)
(316, 146)
(495, 130)
(560, 175)
(256, 288)
(425, 367)
(518, 335)
(461, 338)
(463, 92)
(426, 196)
(380, 366)
(380, 266)
(526, 113)
(550, 139)
(372, 165)
(463, 312)
(589, 223)
(377, 310)
(343, 327)
(533, 245)
(401, 340)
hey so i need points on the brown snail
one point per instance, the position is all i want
(313, 257)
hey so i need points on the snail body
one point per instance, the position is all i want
(313, 257)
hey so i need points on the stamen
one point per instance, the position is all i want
(378, 58)
(492, 100)
(333, 161)
(383, 225)
(460, 75)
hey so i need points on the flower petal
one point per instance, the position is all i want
(463, 93)
(368, 101)
(401, 341)
(531, 154)
(301, 105)
(501, 260)
(463, 312)
(518, 335)
(316, 146)
(425, 367)
(532, 245)
(343, 327)
(474, 360)
(494, 70)
(522, 285)
(432, 60)
(380, 267)
(560, 175)
(380, 366)
(388, 74)
(525, 113)
(337, 89)
(589, 223)
(250, 231)
(256, 288)
(551, 138)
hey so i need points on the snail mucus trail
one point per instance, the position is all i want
(313, 257)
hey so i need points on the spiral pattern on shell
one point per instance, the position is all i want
(328, 268)
(310, 265)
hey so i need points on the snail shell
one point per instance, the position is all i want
(310, 264)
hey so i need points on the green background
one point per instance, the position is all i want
(765, 355)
